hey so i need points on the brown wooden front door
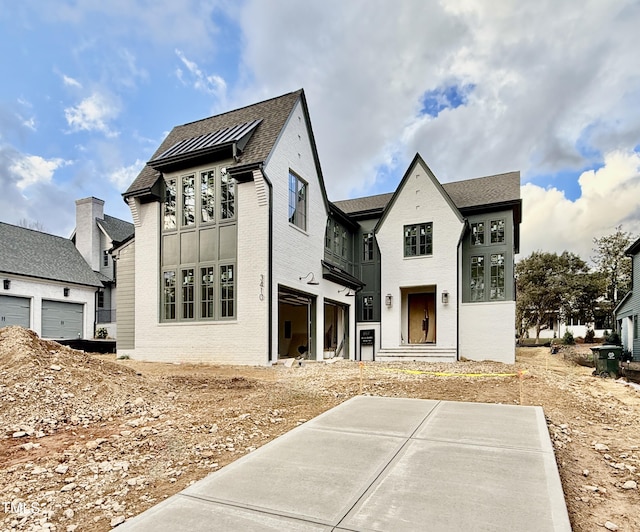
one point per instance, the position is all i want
(422, 318)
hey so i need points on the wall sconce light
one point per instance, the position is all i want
(66, 292)
(349, 292)
(445, 297)
(310, 281)
(7, 284)
(388, 300)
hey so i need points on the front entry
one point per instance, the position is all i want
(422, 318)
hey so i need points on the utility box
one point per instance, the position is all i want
(606, 360)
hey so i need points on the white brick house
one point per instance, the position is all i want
(239, 257)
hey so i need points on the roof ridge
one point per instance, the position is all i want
(481, 177)
(299, 91)
(34, 230)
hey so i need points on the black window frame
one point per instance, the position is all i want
(414, 243)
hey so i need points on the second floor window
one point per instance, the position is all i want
(418, 239)
(497, 231)
(497, 277)
(477, 234)
(198, 199)
(297, 201)
(367, 247)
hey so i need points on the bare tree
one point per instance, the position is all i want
(32, 224)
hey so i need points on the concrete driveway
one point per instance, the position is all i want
(377, 463)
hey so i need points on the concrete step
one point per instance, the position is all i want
(424, 353)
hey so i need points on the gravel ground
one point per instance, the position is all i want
(87, 441)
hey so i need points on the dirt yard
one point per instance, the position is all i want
(87, 441)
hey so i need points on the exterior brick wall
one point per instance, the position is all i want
(239, 341)
(487, 331)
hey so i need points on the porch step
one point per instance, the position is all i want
(422, 353)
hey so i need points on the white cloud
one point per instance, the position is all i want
(551, 92)
(208, 83)
(32, 169)
(122, 177)
(610, 197)
(93, 114)
(70, 82)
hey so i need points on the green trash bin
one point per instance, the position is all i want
(606, 359)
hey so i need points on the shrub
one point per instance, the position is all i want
(568, 339)
(613, 338)
(590, 336)
(102, 333)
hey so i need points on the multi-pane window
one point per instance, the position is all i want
(497, 276)
(367, 308)
(226, 291)
(497, 231)
(477, 278)
(338, 245)
(207, 292)
(100, 299)
(228, 195)
(188, 200)
(327, 234)
(169, 295)
(188, 294)
(170, 205)
(336, 239)
(208, 196)
(199, 230)
(477, 234)
(418, 239)
(367, 247)
(297, 201)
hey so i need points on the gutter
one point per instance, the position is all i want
(270, 269)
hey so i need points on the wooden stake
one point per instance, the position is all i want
(520, 374)
(361, 364)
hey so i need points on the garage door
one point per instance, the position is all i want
(15, 311)
(61, 320)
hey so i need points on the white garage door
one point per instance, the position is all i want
(61, 320)
(15, 311)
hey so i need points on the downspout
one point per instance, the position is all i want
(459, 291)
(270, 268)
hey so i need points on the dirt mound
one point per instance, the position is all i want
(46, 385)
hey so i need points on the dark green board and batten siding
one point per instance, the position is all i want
(15, 311)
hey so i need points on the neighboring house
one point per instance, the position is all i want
(556, 327)
(239, 257)
(628, 309)
(46, 284)
(95, 235)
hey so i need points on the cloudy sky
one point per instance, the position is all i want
(552, 89)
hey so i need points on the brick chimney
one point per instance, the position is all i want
(87, 231)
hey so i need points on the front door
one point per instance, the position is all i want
(422, 318)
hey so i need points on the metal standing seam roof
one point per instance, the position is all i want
(273, 114)
(44, 256)
(209, 140)
(477, 192)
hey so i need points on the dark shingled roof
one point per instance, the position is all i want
(274, 113)
(35, 254)
(118, 230)
(481, 191)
